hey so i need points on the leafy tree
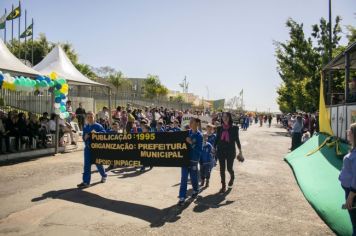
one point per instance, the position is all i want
(117, 80)
(351, 36)
(153, 87)
(299, 65)
(86, 70)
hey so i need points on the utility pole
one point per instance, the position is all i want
(330, 34)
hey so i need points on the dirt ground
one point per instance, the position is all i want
(40, 197)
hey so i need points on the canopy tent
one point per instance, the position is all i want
(10, 63)
(58, 62)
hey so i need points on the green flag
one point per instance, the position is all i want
(2, 21)
(14, 14)
(27, 32)
(242, 92)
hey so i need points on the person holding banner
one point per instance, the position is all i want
(195, 140)
(226, 140)
(90, 127)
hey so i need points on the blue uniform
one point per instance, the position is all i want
(87, 157)
(192, 169)
(211, 139)
(207, 161)
(175, 129)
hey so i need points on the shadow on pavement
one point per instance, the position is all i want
(156, 217)
(212, 201)
(285, 134)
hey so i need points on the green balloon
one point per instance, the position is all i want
(57, 93)
(51, 84)
(43, 84)
(61, 81)
(62, 108)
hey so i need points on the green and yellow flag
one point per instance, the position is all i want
(16, 13)
(324, 117)
(27, 32)
(2, 21)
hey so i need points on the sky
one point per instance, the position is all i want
(222, 46)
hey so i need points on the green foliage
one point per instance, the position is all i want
(178, 98)
(153, 87)
(86, 70)
(117, 79)
(300, 62)
(351, 36)
(41, 47)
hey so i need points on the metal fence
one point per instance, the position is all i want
(26, 101)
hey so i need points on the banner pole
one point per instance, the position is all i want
(5, 27)
(32, 42)
(19, 31)
(12, 27)
(25, 35)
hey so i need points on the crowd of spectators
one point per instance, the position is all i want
(19, 128)
(301, 126)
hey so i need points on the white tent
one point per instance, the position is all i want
(58, 62)
(10, 63)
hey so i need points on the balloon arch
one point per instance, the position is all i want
(55, 85)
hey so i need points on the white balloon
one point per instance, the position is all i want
(62, 116)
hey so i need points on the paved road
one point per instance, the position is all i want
(39, 198)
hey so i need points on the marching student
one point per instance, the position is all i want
(90, 127)
(195, 140)
(348, 177)
(210, 131)
(206, 162)
(159, 127)
(175, 127)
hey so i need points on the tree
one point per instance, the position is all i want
(351, 36)
(41, 47)
(178, 99)
(153, 87)
(86, 70)
(300, 63)
(117, 80)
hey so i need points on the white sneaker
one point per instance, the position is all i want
(103, 179)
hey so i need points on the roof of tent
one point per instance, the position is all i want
(10, 63)
(58, 62)
(338, 63)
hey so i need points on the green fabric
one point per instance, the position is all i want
(2, 21)
(317, 176)
(27, 32)
(14, 14)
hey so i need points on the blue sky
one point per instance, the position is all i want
(226, 45)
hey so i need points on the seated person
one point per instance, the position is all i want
(65, 127)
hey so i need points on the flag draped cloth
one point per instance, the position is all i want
(2, 21)
(324, 118)
(14, 14)
(27, 32)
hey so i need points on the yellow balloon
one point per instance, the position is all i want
(12, 87)
(64, 90)
(53, 75)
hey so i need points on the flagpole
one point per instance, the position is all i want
(19, 30)
(5, 27)
(32, 43)
(12, 26)
(25, 35)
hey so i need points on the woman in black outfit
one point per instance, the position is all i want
(226, 140)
